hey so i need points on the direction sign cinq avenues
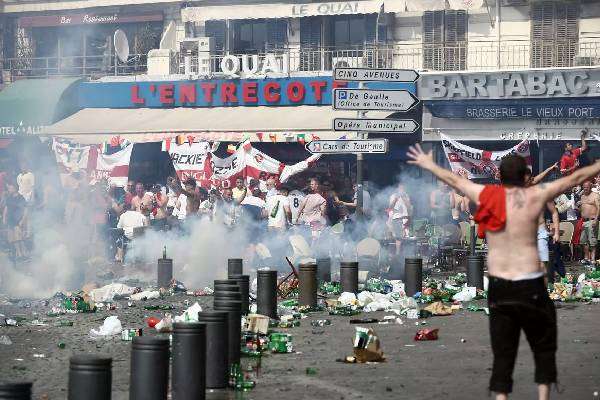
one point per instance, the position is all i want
(373, 100)
(375, 75)
(341, 146)
(375, 125)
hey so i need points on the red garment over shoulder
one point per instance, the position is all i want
(491, 213)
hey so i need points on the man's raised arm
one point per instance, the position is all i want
(553, 189)
(425, 160)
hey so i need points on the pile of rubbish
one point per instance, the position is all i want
(584, 287)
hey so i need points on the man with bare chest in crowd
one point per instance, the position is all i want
(589, 208)
(508, 216)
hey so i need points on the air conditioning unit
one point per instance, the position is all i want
(200, 49)
(347, 62)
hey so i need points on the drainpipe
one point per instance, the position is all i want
(498, 61)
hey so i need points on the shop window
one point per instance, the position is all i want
(259, 36)
(445, 40)
(554, 34)
(310, 42)
(349, 31)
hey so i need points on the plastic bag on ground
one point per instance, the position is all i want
(347, 299)
(365, 298)
(110, 327)
(190, 315)
(467, 293)
(108, 292)
(165, 324)
(146, 294)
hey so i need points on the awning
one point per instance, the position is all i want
(260, 124)
(288, 10)
(28, 105)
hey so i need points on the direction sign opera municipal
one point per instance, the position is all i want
(375, 125)
(373, 100)
(341, 146)
(375, 75)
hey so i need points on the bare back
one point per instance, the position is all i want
(513, 251)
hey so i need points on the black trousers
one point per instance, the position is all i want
(516, 305)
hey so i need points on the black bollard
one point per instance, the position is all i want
(396, 271)
(349, 276)
(233, 308)
(307, 275)
(90, 377)
(266, 301)
(189, 361)
(15, 391)
(217, 343)
(165, 272)
(230, 287)
(149, 375)
(413, 275)
(228, 296)
(243, 282)
(324, 269)
(235, 266)
(475, 271)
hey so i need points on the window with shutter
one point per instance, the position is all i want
(276, 34)
(310, 41)
(445, 40)
(554, 33)
(217, 30)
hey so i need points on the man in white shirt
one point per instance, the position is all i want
(128, 221)
(26, 182)
(400, 209)
(277, 210)
(295, 198)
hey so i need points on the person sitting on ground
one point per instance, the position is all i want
(517, 296)
(128, 221)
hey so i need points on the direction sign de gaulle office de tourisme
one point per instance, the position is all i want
(373, 100)
(347, 146)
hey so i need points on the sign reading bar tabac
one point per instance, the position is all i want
(375, 75)
(373, 100)
(375, 125)
(342, 146)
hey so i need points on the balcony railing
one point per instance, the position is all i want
(462, 56)
(84, 66)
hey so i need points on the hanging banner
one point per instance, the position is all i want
(113, 167)
(72, 158)
(189, 160)
(197, 161)
(473, 163)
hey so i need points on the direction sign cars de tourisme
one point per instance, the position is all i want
(375, 125)
(373, 100)
(375, 75)
(347, 146)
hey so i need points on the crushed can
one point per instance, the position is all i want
(129, 334)
(281, 343)
(426, 334)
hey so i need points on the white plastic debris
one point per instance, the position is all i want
(146, 294)
(190, 315)
(110, 327)
(486, 282)
(108, 292)
(165, 324)
(347, 299)
(365, 298)
(467, 293)
(5, 340)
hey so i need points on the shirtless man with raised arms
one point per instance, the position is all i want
(517, 296)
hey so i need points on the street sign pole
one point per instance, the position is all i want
(359, 166)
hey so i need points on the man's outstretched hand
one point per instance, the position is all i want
(418, 157)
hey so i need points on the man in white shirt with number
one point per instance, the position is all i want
(277, 210)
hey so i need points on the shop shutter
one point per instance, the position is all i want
(276, 34)
(445, 40)
(310, 42)
(554, 34)
(217, 30)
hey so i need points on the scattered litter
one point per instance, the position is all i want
(37, 355)
(281, 343)
(145, 295)
(5, 340)
(320, 322)
(190, 315)
(467, 293)
(152, 321)
(110, 327)
(129, 334)
(426, 334)
(165, 324)
(438, 308)
(367, 347)
(111, 292)
(257, 323)
(364, 321)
